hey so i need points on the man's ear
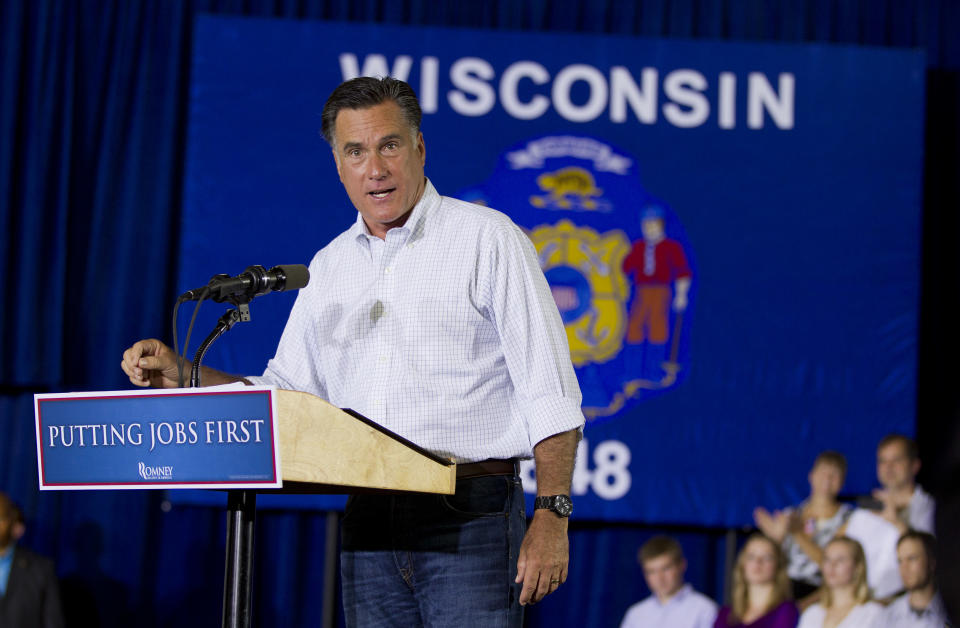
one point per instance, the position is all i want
(336, 160)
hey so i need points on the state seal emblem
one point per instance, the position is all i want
(617, 259)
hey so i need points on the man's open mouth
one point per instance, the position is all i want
(381, 193)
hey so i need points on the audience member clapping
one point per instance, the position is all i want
(760, 596)
(803, 531)
(845, 597)
(899, 504)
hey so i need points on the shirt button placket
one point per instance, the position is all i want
(377, 376)
(385, 331)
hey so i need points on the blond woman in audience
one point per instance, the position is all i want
(845, 597)
(761, 588)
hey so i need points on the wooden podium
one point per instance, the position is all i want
(324, 449)
(334, 451)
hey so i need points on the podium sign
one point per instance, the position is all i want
(164, 439)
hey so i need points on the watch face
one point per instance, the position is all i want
(559, 504)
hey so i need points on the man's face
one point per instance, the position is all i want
(6, 524)
(664, 575)
(380, 163)
(895, 469)
(825, 479)
(652, 229)
(914, 568)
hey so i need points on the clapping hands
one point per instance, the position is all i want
(778, 524)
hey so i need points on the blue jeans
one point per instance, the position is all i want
(413, 560)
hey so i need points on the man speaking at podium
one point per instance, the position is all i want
(432, 317)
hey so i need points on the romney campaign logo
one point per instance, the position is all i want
(617, 259)
(155, 472)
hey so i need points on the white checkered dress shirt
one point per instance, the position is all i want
(445, 333)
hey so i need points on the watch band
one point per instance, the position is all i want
(560, 505)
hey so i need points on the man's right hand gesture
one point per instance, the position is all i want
(152, 363)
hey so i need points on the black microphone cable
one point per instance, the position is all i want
(182, 358)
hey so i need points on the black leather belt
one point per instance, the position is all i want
(486, 467)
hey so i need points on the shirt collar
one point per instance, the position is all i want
(936, 606)
(415, 224)
(678, 597)
(934, 609)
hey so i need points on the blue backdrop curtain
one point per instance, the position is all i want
(92, 130)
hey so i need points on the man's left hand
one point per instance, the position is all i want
(544, 557)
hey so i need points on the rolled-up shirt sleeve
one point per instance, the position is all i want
(532, 335)
(296, 364)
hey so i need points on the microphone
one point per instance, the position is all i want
(252, 282)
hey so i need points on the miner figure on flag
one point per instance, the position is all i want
(659, 270)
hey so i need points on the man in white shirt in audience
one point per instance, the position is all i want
(920, 606)
(905, 504)
(900, 504)
(673, 602)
